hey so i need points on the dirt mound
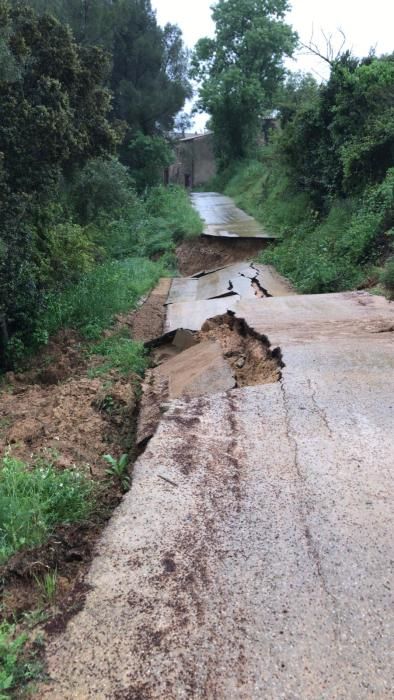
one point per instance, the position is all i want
(56, 412)
(247, 352)
(75, 422)
(205, 253)
(225, 354)
(148, 321)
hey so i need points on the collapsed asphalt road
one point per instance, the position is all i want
(251, 558)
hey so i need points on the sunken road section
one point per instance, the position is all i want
(251, 559)
(225, 354)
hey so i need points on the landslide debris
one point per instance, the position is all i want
(57, 413)
(206, 253)
(247, 352)
(225, 354)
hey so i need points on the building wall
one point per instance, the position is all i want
(194, 162)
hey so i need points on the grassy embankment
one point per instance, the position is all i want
(348, 247)
(137, 248)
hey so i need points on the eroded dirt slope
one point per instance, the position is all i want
(205, 253)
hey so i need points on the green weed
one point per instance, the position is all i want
(109, 289)
(17, 669)
(34, 500)
(121, 353)
(118, 470)
(48, 587)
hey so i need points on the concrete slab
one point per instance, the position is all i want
(213, 284)
(305, 318)
(182, 289)
(193, 315)
(300, 317)
(196, 371)
(223, 219)
(251, 558)
(274, 284)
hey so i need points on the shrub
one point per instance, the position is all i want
(387, 277)
(102, 189)
(146, 156)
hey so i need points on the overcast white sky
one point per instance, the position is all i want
(366, 24)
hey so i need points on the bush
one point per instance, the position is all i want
(146, 156)
(387, 277)
(66, 281)
(109, 289)
(33, 501)
(151, 225)
(102, 189)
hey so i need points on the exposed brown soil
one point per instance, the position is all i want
(247, 352)
(148, 321)
(54, 411)
(72, 423)
(207, 252)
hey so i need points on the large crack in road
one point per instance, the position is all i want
(251, 557)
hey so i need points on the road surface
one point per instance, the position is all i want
(223, 219)
(252, 558)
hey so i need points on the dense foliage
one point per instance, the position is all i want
(326, 181)
(240, 70)
(148, 72)
(69, 110)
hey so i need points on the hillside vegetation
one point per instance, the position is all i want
(82, 150)
(325, 182)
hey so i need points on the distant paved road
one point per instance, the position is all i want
(223, 219)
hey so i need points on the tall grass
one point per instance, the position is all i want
(34, 500)
(319, 253)
(109, 289)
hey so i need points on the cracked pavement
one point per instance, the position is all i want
(252, 557)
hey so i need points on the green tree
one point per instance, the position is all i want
(150, 70)
(54, 118)
(240, 70)
(339, 137)
(92, 21)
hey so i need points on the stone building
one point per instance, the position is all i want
(194, 161)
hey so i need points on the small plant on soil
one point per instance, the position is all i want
(33, 618)
(121, 353)
(17, 668)
(48, 587)
(118, 470)
(33, 500)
